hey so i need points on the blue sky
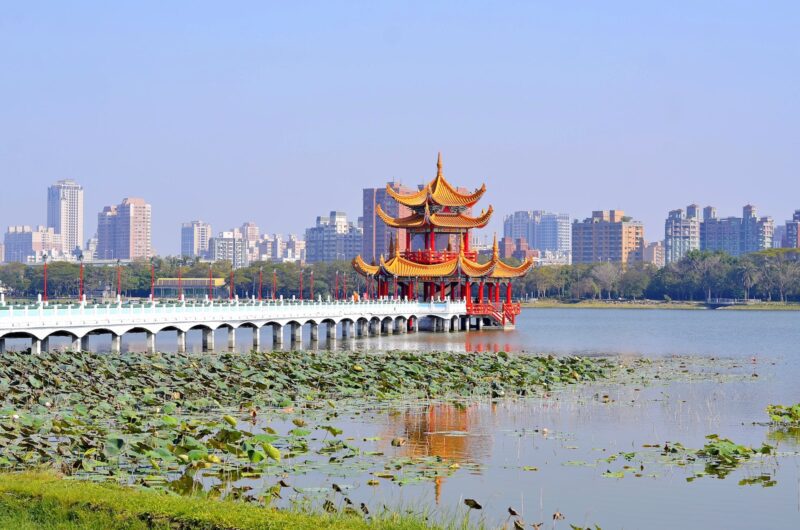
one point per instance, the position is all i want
(279, 112)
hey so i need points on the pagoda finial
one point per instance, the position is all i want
(439, 165)
(495, 248)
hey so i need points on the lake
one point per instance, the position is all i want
(564, 452)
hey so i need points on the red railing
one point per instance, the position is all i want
(436, 256)
(499, 311)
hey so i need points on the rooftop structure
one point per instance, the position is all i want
(439, 215)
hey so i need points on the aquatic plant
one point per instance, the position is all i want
(784, 415)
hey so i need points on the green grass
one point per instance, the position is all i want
(39, 500)
(654, 304)
(613, 304)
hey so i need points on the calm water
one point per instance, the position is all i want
(493, 442)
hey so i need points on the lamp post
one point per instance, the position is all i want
(336, 289)
(119, 280)
(210, 284)
(180, 280)
(152, 279)
(80, 281)
(45, 277)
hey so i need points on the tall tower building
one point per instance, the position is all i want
(125, 231)
(376, 234)
(195, 236)
(65, 213)
(608, 235)
(681, 233)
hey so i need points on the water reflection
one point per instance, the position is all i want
(456, 433)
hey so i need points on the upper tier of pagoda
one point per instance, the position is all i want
(457, 266)
(425, 220)
(437, 204)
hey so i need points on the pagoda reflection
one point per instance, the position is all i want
(454, 433)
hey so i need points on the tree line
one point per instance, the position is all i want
(772, 275)
(63, 279)
(768, 275)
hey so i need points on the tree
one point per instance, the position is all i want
(607, 276)
(635, 280)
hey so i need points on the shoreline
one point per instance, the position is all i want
(651, 304)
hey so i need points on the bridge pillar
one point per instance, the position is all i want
(314, 331)
(181, 341)
(36, 346)
(76, 344)
(296, 331)
(464, 323)
(46, 344)
(277, 336)
(231, 338)
(330, 332)
(116, 343)
(85, 343)
(208, 340)
(346, 329)
(151, 342)
(256, 339)
(415, 325)
(2, 345)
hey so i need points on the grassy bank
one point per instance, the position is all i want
(613, 304)
(45, 501)
(654, 304)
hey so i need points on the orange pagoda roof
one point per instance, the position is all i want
(438, 220)
(457, 266)
(438, 191)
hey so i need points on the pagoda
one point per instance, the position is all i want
(441, 217)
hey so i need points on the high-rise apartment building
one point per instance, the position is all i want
(376, 234)
(608, 235)
(736, 235)
(681, 233)
(24, 244)
(65, 213)
(195, 237)
(543, 231)
(654, 253)
(230, 246)
(333, 238)
(124, 231)
(791, 236)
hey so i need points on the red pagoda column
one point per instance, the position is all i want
(508, 292)
(497, 293)
(467, 293)
(441, 290)
(490, 297)
(480, 292)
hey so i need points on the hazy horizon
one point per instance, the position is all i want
(278, 113)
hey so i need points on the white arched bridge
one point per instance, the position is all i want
(41, 321)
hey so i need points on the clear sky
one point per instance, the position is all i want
(278, 112)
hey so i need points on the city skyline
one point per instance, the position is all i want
(265, 101)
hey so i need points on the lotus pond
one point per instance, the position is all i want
(656, 430)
